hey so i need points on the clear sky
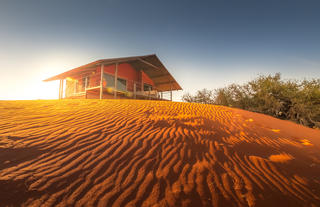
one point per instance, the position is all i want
(204, 44)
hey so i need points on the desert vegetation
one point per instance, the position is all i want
(295, 100)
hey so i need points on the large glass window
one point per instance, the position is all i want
(85, 82)
(147, 87)
(122, 84)
(76, 89)
(108, 80)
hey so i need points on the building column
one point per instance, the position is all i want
(134, 90)
(170, 91)
(60, 89)
(141, 83)
(115, 81)
(101, 81)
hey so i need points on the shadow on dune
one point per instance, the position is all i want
(16, 192)
(14, 156)
(247, 147)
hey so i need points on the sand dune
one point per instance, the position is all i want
(152, 153)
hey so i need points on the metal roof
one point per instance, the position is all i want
(149, 64)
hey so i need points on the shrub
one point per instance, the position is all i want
(294, 100)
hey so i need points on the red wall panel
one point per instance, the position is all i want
(146, 79)
(125, 71)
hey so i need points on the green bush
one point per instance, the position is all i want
(294, 100)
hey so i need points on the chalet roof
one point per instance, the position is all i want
(149, 64)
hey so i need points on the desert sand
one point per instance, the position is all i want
(153, 153)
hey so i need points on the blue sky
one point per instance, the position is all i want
(204, 44)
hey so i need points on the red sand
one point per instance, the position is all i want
(151, 153)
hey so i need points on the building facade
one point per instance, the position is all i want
(139, 77)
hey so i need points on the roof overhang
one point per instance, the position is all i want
(149, 64)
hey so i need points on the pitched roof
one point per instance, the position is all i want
(149, 64)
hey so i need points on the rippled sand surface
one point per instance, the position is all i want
(153, 153)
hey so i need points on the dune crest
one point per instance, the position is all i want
(153, 153)
(282, 157)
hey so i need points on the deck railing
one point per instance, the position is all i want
(133, 89)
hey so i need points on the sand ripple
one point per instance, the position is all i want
(152, 153)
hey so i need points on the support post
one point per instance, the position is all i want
(134, 90)
(75, 89)
(115, 81)
(60, 89)
(101, 81)
(170, 91)
(141, 83)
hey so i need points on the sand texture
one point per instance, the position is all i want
(153, 153)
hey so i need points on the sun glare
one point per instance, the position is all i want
(69, 79)
(44, 90)
(48, 68)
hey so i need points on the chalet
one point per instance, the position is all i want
(140, 77)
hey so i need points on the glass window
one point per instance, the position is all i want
(85, 82)
(76, 90)
(122, 84)
(108, 80)
(147, 87)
